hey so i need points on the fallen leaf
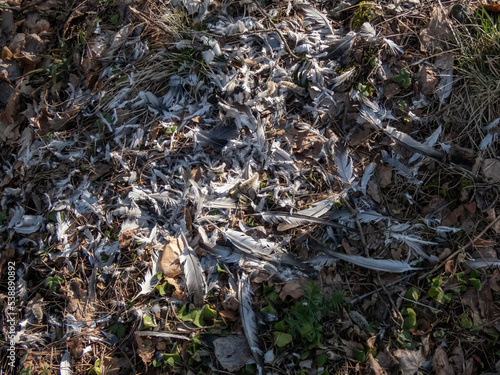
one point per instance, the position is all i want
(169, 262)
(391, 89)
(126, 239)
(427, 79)
(441, 364)
(436, 32)
(491, 170)
(292, 288)
(374, 366)
(232, 352)
(409, 360)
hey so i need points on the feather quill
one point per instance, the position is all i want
(195, 279)
(381, 265)
(248, 320)
(484, 263)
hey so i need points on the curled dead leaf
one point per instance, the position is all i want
(169, 262)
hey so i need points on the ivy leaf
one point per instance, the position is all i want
(403, 78)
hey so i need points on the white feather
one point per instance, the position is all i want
(382, 265)
(65, 366)
(150, 278)
(343, 162)
(195, 278)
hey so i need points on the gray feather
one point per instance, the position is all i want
(316, 16)
(343, 162)
(381, 265)
(367, 175)
(195, 279)
(412, 145)
(248, 320)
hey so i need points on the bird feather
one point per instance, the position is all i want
(382, 265)
(343, 162)
(195, 279)
(248, 320)
(317, 16)
(409, 143)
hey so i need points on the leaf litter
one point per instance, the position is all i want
(181, 168)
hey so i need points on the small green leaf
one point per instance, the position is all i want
(118, 330)
(411, 319)
(162, 289)
(476, 284)
(282, 339)
(269, 309)
(474, 274)
(321, 360)
(26, 371)
(171, 130)
(403, 78)
(412, 294)
(148, 322)
(115, 20)
(280, 326)
(460, 278)
(360, 355)
(52, 282)
(465, 322)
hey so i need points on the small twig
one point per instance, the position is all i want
(357, 299)
(418, 303)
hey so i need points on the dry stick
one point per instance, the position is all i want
(441, 264)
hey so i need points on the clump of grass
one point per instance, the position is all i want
(479, 67)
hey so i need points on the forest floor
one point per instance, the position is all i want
(243, 187)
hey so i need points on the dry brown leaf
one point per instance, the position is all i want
(391, 89)
(292, 288)
(491, 170)
(77, 302)
(112, 365)
(409, 360)
(8, 126)
(145, 348)
(126, 239)
(454, 216)
(374, 366)
(441, 364)
(427, 79)
(384, 175)
(436, 32)
(169, 262)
